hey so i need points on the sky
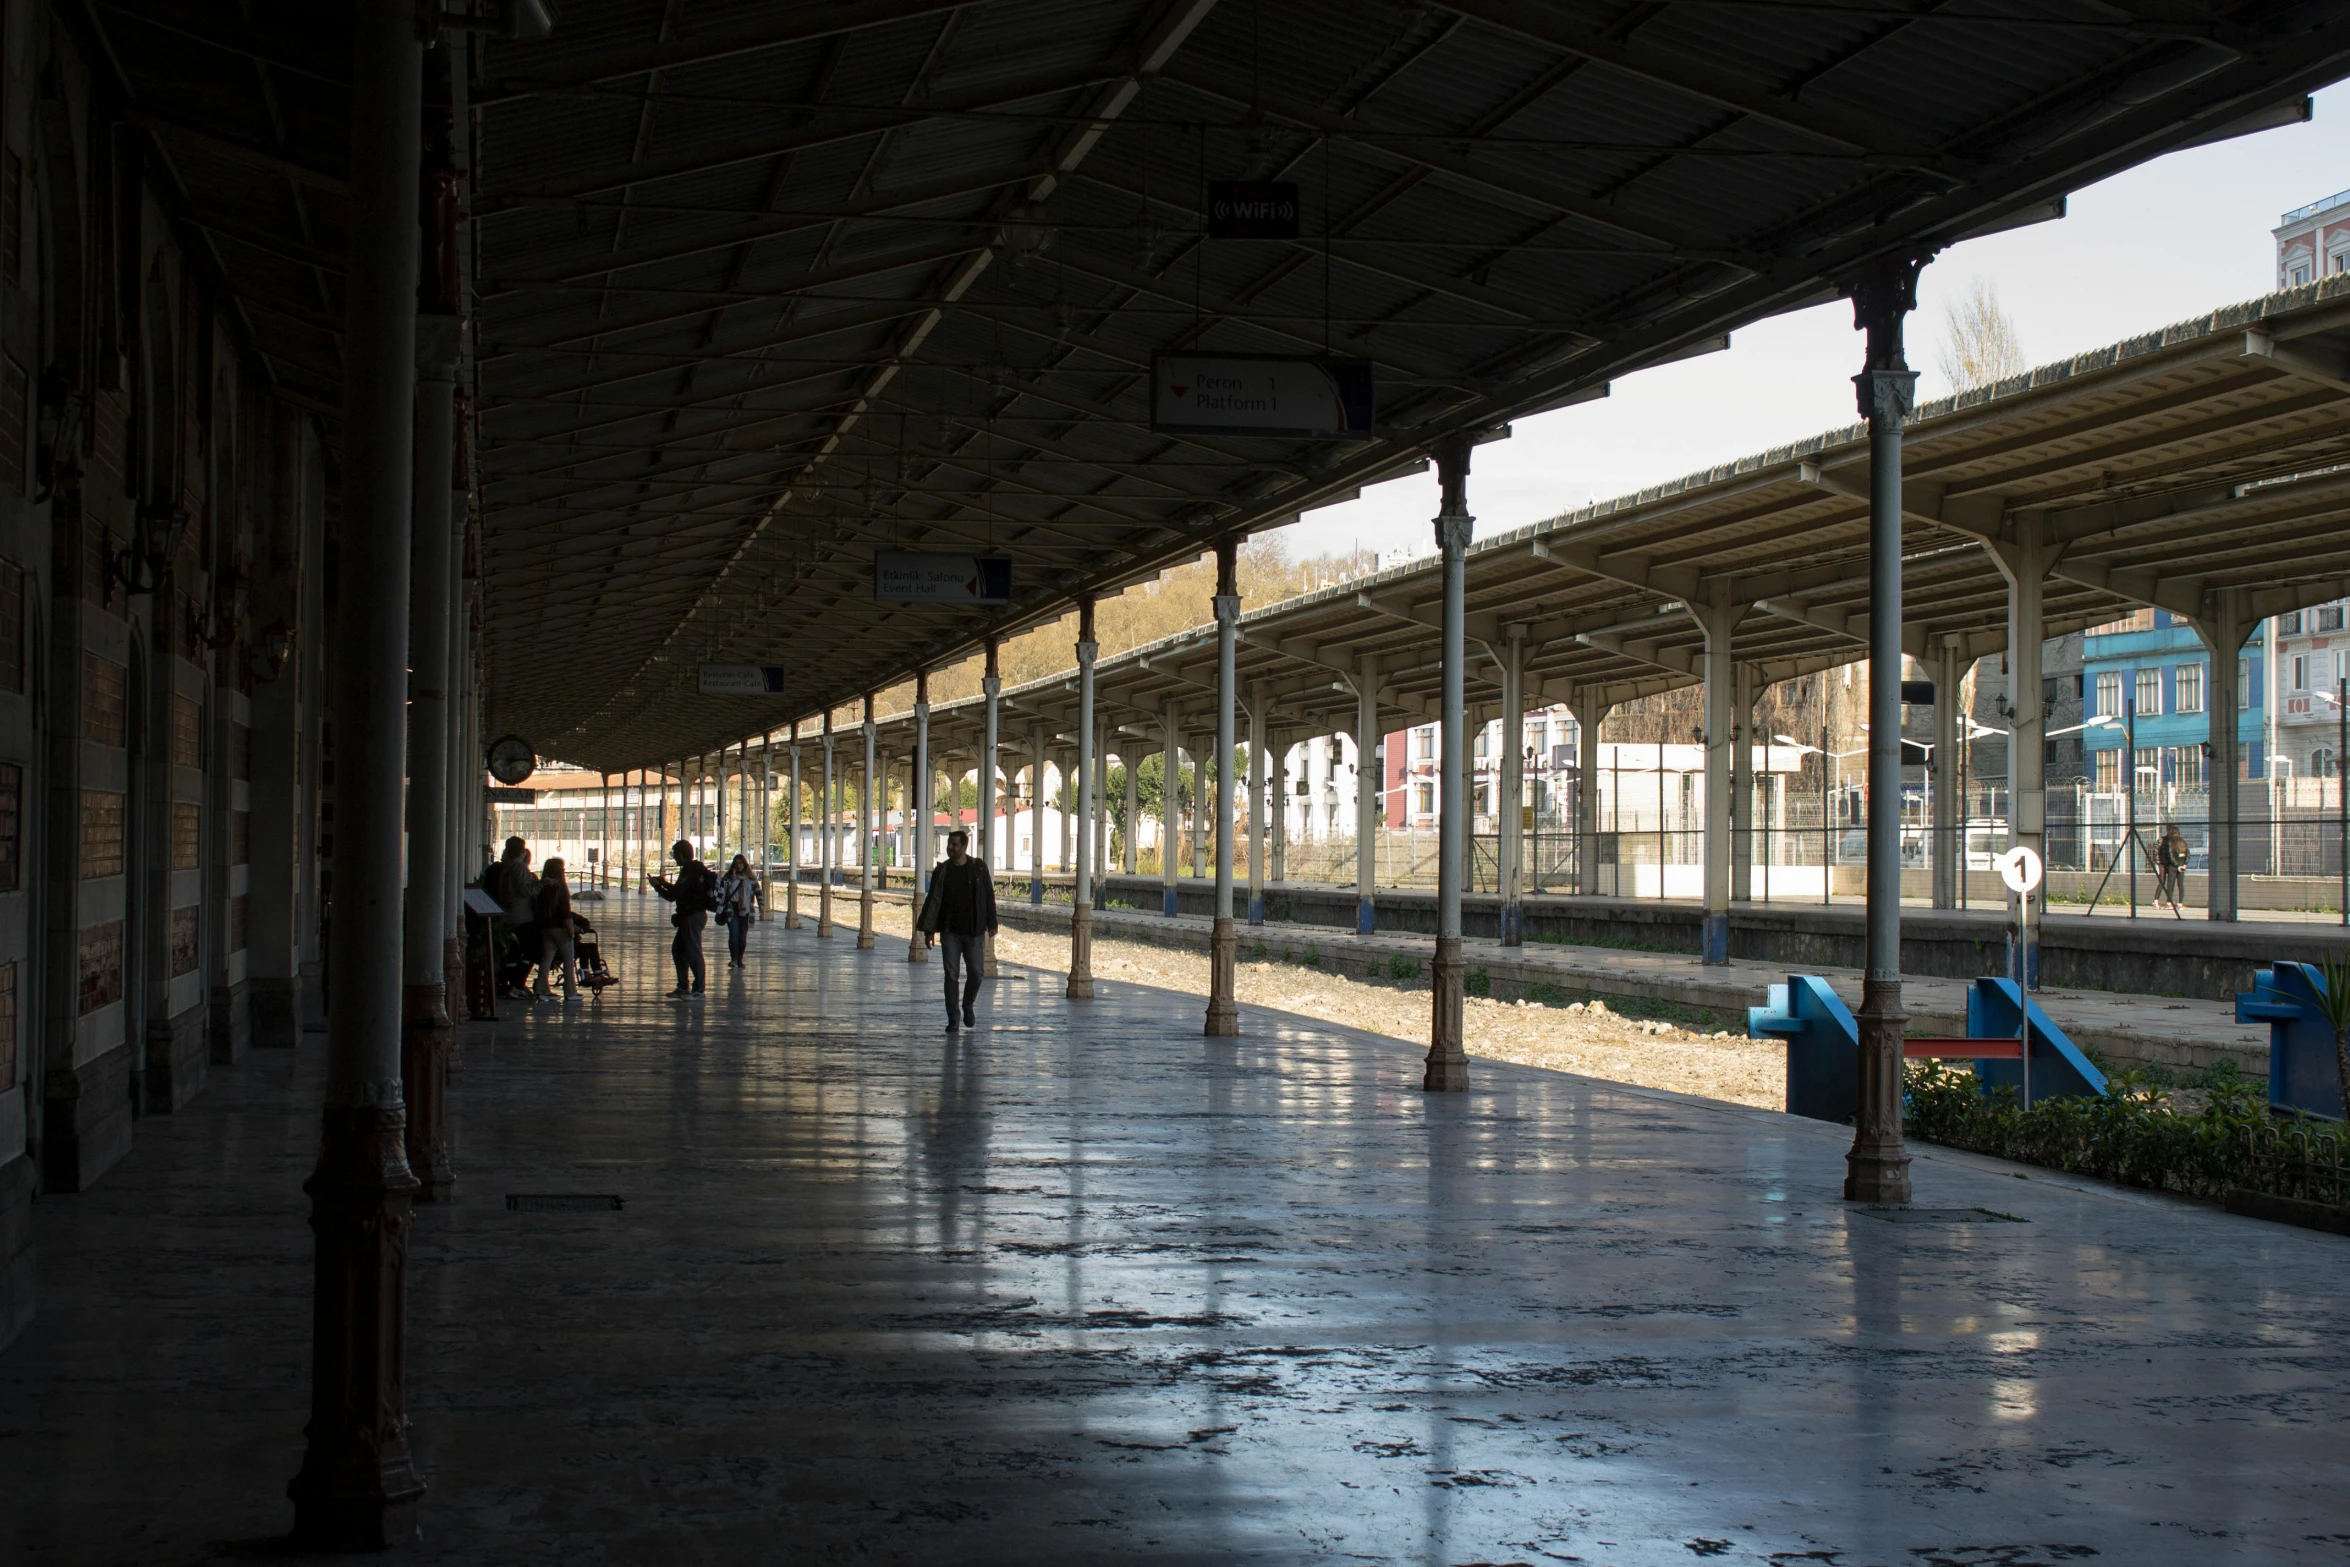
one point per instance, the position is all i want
(2167, 241)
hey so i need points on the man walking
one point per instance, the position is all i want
(960, 914)
(694, 893)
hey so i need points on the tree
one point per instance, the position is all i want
(1979, 342)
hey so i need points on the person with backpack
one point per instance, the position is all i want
(695, 892)
(738, 906)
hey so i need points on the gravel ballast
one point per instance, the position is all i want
(1583, 1037)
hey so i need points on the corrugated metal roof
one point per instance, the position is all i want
(796, 282)
(2137, 457)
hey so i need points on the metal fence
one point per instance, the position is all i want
(2106, 854)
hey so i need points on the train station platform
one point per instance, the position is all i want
(1080, 1285)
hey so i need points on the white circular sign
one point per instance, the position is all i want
(2019, 867)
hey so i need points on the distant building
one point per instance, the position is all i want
(2312, 667)
(2314, 241)
(2149, 672)
(2064, 753)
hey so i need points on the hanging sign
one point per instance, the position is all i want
(1260, 394)
(900, 578)
(742, 680)
(1252, 209)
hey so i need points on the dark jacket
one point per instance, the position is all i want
(695, 891)
(961, 901)
(551, 905)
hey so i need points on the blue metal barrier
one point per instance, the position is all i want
(2058, 1067)
(1823, 1046)
(2301, 1070)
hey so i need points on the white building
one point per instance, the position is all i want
(2313, 242)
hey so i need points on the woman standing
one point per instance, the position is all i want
(552, 908)
(2170, 869)
(738, 905)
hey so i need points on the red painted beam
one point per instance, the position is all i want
(1966, 1049)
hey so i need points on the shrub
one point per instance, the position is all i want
(2135, 1135)
(1400, 968)
(1479, 983)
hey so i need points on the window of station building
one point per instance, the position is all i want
(2321, 762)
(2243, 684)
(1424, 744)
(187, 732)
(102, 833)
(2109, 772)
(105, 700)
(237, 908)
(2109, 695)
(2329, 617)
(240, 837)
(1424, 799)
(11, 627)
(2300, 672)
(7, 1026)
(2187, 767)
(183, 941)
(240, 752)
(2147, 690)
(2289, 623)
(98, 967)
(2187, 688)
(187, 836)
(2300, 276)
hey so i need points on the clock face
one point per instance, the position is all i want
(512, 759)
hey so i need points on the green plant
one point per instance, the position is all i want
(1400, 968)
(2134, 1135)
(1479, 983)
(1543, 993)
(2333, 999)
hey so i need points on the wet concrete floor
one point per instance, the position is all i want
(1080, 1285)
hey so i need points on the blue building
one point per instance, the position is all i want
(2151, 669)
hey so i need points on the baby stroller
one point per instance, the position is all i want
(594, 972)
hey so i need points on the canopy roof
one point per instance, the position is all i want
(764, 288)
(2211, 458)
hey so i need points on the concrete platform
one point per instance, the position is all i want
(1081, 1286)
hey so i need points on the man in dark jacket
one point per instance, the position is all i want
(960, 915)
(695, 894)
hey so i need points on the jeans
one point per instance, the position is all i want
(738, 931)
(686, 950)
(954, 951)
(555, 948)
